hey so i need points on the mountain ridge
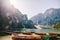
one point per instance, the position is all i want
(50, 16)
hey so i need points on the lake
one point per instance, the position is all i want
(32, 30)
(47, 30)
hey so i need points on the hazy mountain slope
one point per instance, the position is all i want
(37, 17)
(10, 17)
(51, 16)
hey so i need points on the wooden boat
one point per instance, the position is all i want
(33, 36)
(25, 37)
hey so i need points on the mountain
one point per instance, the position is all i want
(38, 17)
(11, 17)
(50, 17)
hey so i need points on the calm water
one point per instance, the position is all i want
(32, 30)
(42, 30)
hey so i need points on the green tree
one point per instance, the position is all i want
(57, 25)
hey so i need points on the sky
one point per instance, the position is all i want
(34, 7)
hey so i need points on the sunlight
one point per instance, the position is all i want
(13, 2)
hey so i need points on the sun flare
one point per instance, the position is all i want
(13, 2)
